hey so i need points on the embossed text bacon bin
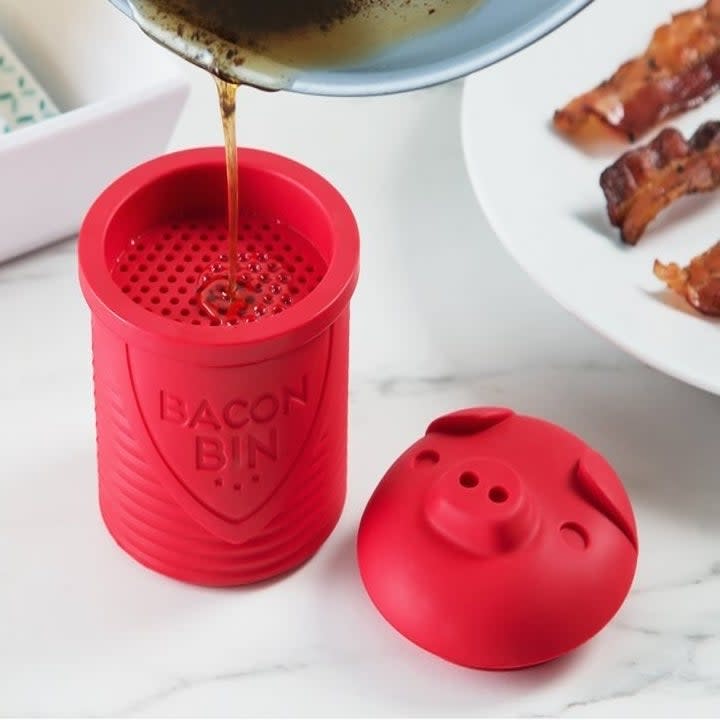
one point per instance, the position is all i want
(221, 414)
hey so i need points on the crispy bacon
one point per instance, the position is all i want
(678, 71)
(648, 179)
(698, 283)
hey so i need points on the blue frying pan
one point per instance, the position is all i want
(491, 32)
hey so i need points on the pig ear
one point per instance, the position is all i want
(469, 422)
(598, 485)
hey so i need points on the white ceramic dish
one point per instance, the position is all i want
(119, 96)
(542, 195)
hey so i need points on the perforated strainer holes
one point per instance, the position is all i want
(162, 269)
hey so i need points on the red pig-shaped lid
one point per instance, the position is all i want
(498, 541)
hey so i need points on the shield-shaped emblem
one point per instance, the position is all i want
(230, 436)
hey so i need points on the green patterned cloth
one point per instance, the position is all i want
(22, 101)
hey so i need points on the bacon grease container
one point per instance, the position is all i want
(221, 448)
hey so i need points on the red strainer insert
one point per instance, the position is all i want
(179, 270)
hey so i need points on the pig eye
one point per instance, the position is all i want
(575, 535)
(427, 458)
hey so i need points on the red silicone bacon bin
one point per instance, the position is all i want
(221, 433)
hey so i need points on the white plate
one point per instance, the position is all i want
(119, 96)
(543, 199)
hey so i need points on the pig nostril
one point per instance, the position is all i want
(498, 494)
(469, 480)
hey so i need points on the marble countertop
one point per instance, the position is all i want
(442, 319)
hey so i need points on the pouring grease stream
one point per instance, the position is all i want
(265, 44)
(227, 93)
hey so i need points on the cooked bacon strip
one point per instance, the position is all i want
(646, 180)
(698, 283)
(679, 70)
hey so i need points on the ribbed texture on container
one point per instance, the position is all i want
(146, 521)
